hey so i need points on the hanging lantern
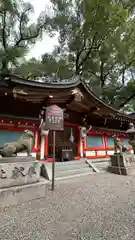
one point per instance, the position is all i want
(83, 132)
(44, 132)
(71, 136)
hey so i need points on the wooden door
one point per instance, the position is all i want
(67, 139)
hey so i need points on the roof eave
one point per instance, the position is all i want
(55, 85)
(115, 111)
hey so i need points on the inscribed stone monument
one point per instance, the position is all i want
(123, 162)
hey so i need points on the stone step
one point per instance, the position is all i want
(63, 170)
(100, 160)
(99, 165)
(74, 168)
(74, 176)
(66, 163)
(71, 167)
(102, 167)
(73, 172)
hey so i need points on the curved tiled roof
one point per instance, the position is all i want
(74, 81)
(107, 106)
(66, 84)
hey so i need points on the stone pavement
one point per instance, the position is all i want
(99, 205)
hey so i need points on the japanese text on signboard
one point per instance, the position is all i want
(54, 118)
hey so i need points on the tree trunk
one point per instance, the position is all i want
(102, 80)
(4, 68)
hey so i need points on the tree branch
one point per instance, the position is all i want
(88, 52)
(22, 37)
(109, 70)
(78, 56)
(78, 65)
(93, 47)
(123, 75)
(4, 43)
(102, 79)
(127, 100)
(4, 31)
(93, 73)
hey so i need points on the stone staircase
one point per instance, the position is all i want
(74, 168)
(68, 169)
(99, 165)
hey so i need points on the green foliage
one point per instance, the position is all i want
(47, 67)
(98, 39)
(96, 42)
(17, 32)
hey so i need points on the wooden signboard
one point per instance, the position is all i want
(54, 118)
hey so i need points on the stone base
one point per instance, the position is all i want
(123, 164)
(18, 195)
(117, 170)
(46, 171)
(18, 171)
(121, 171)
(17, 159)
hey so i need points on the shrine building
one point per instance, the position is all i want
(89, 123)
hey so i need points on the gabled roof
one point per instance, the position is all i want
(65, 84)
(38, 93)
(114, 112)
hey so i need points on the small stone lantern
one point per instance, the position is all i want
(131, 135)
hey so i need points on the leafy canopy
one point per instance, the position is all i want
(17, 32)
(96, 42)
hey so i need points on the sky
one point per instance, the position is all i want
(46, 44)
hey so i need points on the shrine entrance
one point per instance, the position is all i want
(65, 140)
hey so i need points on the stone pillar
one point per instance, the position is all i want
(46, 147)
(38, 145)
(42, 148)
(81, 150)
(84, 146)
(36, 139)
(35, 143)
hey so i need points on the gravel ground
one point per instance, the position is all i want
(98, 206)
